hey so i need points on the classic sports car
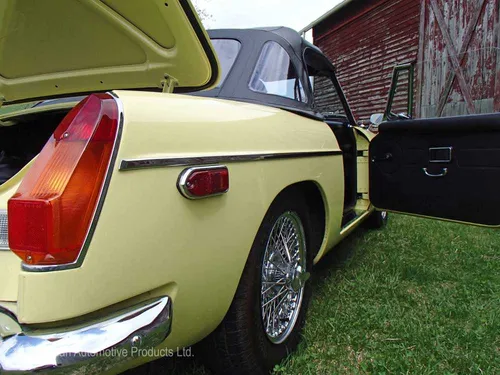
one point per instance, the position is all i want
(153, 220)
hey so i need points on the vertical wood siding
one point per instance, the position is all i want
(473, 29)
(366, 45)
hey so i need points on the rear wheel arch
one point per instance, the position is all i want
(312, 194)
(240, 331)
(315, 200)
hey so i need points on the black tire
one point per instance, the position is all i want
(377, 220)
(240, 344)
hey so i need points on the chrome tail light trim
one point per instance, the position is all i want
(100, 203)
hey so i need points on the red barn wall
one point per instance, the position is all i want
(365, 42)
(455, 45)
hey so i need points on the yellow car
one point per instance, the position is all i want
(158, 215)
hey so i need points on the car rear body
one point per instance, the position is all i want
(156, 267)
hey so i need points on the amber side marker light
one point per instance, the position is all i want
(51, 212)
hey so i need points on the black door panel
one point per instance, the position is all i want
(446, 168)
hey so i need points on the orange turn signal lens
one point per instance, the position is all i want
(51, 212)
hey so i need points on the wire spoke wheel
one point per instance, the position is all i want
(283, 277)
(266, 318)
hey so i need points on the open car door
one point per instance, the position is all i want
(447, 168)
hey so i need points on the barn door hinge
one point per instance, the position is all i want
(169, 83)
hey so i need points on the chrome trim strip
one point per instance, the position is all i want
(181, 182)
(100, 203)
(134, 164)
(3, 214)
(89, 349)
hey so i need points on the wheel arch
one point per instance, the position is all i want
(315, 199)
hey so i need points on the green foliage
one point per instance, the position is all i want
(14, 108)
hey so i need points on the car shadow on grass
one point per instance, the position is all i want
(338, 258)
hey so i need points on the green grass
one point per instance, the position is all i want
(14, 107)
(419, 297)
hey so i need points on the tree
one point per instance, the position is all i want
(204, 15)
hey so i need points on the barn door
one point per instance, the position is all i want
(458, 69)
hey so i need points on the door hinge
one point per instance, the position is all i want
(169, 83)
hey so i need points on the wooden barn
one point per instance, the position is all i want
(453, 44)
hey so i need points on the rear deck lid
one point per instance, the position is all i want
(55, 48)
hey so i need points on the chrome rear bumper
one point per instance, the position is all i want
(86, 349)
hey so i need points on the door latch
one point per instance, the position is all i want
(168, 84)
(440, 154)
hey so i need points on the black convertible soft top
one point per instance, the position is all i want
(236, 84)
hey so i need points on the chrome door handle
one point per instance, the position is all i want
(443, 173)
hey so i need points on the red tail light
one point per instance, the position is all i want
(51, 212)
(203, 182)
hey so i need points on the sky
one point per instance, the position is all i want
(296, 14)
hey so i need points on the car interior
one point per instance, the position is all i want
(327, 102)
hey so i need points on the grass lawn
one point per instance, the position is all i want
(419, 297)
(15, 107)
